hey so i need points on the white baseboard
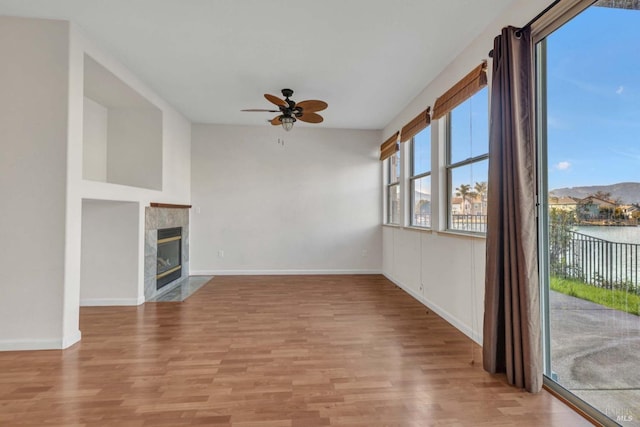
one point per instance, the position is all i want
(455, 322)
(276, 272)
(106, 302)
(26, 344)
(40, 344)
(68, 341)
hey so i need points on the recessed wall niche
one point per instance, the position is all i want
(122, 132)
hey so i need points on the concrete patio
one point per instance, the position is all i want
(596, 355)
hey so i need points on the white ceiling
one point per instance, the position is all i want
(211, 58)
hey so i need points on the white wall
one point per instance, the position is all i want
(109, 269)
(133, 146)
(172, 182)
(175, 154)
(176, 158)
(94, 154)
(311, 205)
(42, 185)
(134, 155)
(33, 140)
(517, 14)
(449, 267)
(444, 272)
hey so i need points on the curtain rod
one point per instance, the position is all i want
(541, 14)
(534, 19)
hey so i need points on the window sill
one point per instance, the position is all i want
(462, 234)
(413, 227)
(439, 232)
(392, 225)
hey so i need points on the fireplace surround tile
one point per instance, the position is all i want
(158, 218)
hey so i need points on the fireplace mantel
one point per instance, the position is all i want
(169, 206)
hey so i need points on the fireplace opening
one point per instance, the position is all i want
(169, 256)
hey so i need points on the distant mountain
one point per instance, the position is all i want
(627, 192)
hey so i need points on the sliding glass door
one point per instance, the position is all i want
(588, 116)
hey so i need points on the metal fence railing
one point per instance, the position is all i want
(421, 220)
(467, 222)
(594, 261)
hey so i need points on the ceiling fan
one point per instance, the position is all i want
(290, 111)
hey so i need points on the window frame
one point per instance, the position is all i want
(392, 186)
(449, 167)
(548, 23)
(413, 178)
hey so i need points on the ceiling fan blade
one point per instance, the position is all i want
(276, 121)
(275, 100)
(312, 105)
(310, 117)
(261, 110)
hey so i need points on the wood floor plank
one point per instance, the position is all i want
(269, 351)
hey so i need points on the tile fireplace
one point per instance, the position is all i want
(169, 258)
(166, 250)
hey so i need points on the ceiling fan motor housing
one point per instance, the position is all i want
(290, 111)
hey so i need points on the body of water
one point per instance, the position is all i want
(612, 234)
(613, 258)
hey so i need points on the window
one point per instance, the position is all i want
(393, 188)
(420, 179)
(590, 250)
(467, 164)
(389, 154)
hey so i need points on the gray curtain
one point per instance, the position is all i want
(512, 329)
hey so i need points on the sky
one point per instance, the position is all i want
(593, 106)
(469, 139)
(593, 99)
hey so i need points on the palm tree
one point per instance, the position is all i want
(463, 191)
(481, 190)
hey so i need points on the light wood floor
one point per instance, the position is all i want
(299, 351)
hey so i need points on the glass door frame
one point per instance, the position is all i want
(540, 117)
(555, 18)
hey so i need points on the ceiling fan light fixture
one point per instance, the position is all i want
(291, 111)
(287, 123)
